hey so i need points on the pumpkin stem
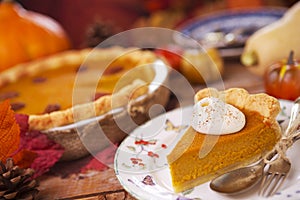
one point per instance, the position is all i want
(291, 58)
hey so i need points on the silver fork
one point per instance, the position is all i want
(274, 177)
(281, 165)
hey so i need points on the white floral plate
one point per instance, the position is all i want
(142, 169)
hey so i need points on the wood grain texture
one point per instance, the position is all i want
(91, 185)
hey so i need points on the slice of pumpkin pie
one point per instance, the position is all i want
(229, 129)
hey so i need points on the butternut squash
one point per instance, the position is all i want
(273, 42)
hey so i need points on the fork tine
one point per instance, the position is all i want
(267, 184)
(276, 182)
(261, 187)
(280, 183)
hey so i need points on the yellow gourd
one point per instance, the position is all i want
(273, 42)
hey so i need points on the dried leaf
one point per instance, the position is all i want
(47, 151)
(9, 131)
(24, 158)
(102, 160)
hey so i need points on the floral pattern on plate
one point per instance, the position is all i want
(146, 148)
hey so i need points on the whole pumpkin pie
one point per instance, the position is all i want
(199, 157)
(70, 95)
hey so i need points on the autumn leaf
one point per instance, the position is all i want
(102, 160)
(9, 131)
(47, 151)
(24, 158)
(28, 148)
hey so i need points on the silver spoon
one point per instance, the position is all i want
(240, 179)
(244, 178)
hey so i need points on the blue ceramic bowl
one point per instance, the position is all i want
(242, 23)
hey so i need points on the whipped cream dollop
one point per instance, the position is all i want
(213, 116)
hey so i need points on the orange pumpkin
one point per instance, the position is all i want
(26, 35)
(282, 78)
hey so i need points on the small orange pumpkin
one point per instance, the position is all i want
(26, 35)
(281, 78)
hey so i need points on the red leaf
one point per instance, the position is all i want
(22, 120)
(102, 160)
(47, 151)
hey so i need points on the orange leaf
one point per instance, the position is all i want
(9, 131)
(24, 158)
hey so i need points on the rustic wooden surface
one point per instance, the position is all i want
(104, 184)
(92, 185)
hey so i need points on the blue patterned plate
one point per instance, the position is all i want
(142, 169)
(242, 23)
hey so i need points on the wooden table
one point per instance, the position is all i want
(63, 182)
